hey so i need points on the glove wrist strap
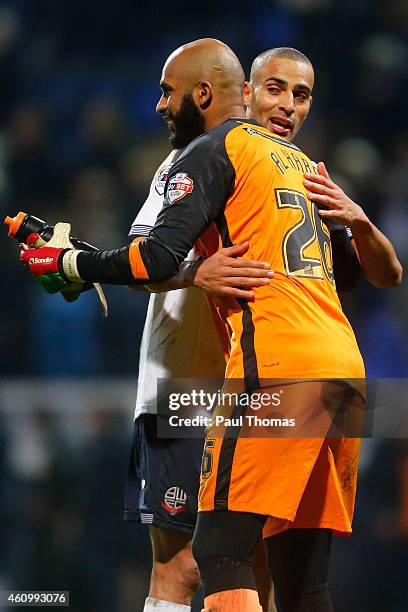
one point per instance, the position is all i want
(69, 266)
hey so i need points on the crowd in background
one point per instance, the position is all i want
(61, 522)
(80, 142)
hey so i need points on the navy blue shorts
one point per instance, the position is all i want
(163, 478)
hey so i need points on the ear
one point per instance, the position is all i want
(203, 94)
(247, 92)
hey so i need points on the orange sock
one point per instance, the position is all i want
(238, 600)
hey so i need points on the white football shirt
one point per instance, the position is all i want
(179, 336)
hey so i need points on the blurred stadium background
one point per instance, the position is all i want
(79, 142)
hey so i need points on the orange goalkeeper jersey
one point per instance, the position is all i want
(240, 183)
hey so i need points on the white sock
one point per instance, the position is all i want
(158, 605)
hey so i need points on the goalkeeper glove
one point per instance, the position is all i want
(43, 263)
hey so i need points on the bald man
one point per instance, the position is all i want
(180, 341)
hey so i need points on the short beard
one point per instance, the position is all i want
(188, 123)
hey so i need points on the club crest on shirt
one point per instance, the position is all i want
(161, 180)
(175, 500)
(179, 186)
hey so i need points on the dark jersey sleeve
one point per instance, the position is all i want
(197, 189)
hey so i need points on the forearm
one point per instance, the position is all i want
(377, 256)
(184, 278)
(124, 266)
(112, 267)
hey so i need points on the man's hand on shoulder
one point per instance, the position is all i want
(226, 274)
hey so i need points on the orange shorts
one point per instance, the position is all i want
(299, 482)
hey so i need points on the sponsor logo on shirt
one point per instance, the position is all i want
(175, 500)
(179, 186)
(161, 181)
